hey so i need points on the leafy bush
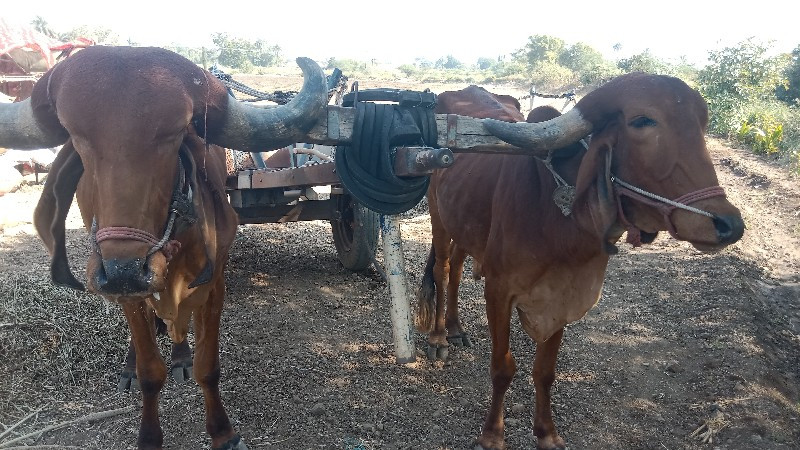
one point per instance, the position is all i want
(643, 62)
(408, 70)
(762, 133)
(741, 85)
(789, 91)
(745, 72)
(349, 67)
(244, 55)
(552, 76)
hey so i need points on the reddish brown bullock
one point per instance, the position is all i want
(647, 138)
(139, 124)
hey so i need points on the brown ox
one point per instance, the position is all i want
(138, 125)
(647, 131)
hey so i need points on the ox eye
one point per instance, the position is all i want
(641, 122)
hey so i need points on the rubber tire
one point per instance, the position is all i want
(355, 233)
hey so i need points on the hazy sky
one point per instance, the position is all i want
(397, 32)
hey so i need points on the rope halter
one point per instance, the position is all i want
(663, 205)
(180, 208)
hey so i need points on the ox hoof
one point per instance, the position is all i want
(127, 381)
(235, 443)
(460, 340)
(182, 372)
(479, 446)
(551, 444)
(438, 352)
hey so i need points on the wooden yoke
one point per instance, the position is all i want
(458, 133)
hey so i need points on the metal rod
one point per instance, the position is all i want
(418, 161)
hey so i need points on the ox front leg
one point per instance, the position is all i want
(150, 371)
(207, 370)
(544, 374)
(181, 362)
(503, 367)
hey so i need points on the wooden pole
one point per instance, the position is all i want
(400, 309)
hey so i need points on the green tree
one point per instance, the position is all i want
(198, 55)
(99, 35)
(643, 62)
(423, 63)
(739, 85)
(448, 62)
(348, 66)
(540, 49)
(41, 25)
(744, 72)
(265, 55)
(789, 91)
(233, 52)
(486, 63)
(587, 63)
(580, 57)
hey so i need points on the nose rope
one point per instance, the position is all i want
(167, 246)
(664, 205)
(680, 202)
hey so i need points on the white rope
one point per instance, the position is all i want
(659, 198)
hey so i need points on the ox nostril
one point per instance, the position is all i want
(729, 228)
(124, 276)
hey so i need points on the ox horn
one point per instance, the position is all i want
(554, 133)
(20, 130)
(250, 128)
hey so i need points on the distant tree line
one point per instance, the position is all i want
(753, 97)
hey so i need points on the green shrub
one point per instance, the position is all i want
(762, 134)
(547, 76)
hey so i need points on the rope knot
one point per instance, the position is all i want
(170, 249)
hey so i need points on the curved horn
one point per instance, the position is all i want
(554, 133)
(20, 130)
(250, 128)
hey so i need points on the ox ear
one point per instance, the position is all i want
(51, 211)
(205, 217)
(595, 205)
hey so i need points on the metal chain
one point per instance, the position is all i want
(568, 95)
(279, 97)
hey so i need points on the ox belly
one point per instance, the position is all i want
(561, 295)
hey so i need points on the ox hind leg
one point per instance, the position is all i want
(544, 374)
(455, 331)
(180, 359)
(432, 295)
(180, 362)
(207, 370)
(150, 371)
(503, 367)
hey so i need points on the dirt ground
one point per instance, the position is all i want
(679, 340)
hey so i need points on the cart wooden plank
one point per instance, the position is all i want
(314, 175)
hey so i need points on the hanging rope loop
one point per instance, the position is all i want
(366, 167)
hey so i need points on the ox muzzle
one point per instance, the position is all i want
(129, 277)
(141, 276)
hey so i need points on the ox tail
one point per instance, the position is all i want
(426, 297)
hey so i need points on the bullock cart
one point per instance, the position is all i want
(376, 174)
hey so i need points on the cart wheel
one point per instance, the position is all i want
(355, 232)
